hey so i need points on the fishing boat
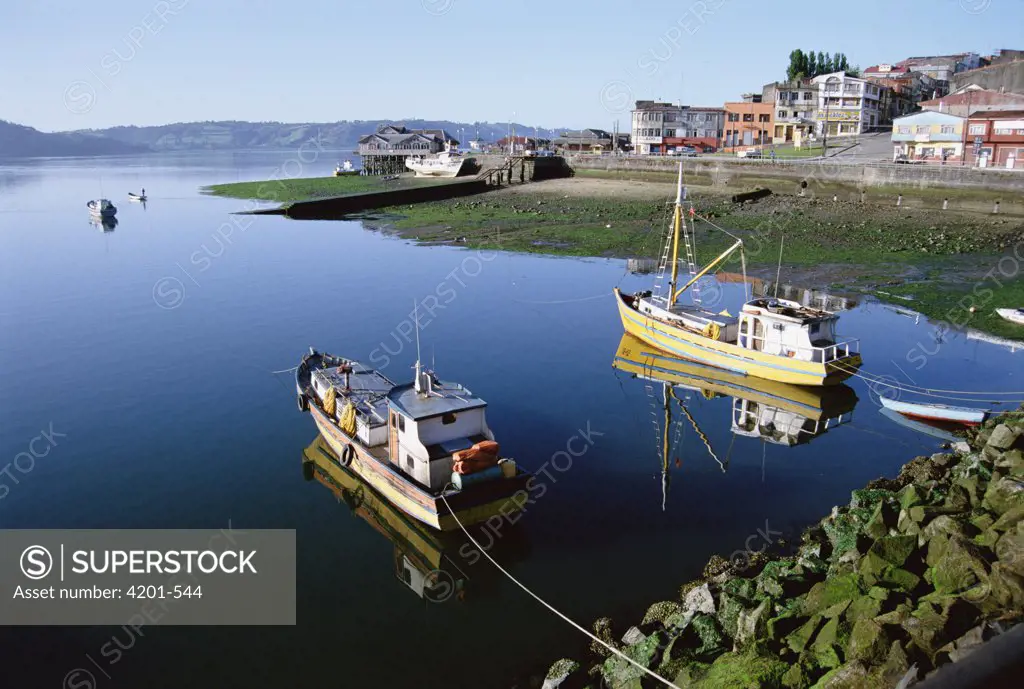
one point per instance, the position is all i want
(102, 208)
(777, 413)
(343, 169)
(773, 339)
(447, 163)
(137, 198)
(1012, 315)
(424, 445)
(967, 416)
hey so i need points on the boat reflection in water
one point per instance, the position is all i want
(104, 223)
(434, 565)
(776, 413)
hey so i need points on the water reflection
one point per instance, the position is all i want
(813, 298)
(772, 412)
(436, 566)
(104, 223)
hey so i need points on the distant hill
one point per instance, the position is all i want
(20, 141)
(343, 135)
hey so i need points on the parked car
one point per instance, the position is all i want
(688, 151)
(904, 159)
(749, 153)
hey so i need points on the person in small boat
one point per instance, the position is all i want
(143, 192)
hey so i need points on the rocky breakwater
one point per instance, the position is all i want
(914, 573)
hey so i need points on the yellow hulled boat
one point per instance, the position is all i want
(774, 339)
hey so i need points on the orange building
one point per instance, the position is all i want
(747, 124)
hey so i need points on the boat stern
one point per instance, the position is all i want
(838, 370)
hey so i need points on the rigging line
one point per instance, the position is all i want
(547, 605)
(287, 370)
(718, 227)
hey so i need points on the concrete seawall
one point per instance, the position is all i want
(726, 172)
(341, 206)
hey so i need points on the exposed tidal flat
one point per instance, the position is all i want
(914, 573)
(953, 265)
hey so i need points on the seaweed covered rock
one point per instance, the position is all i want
(603, 630)
(868, 642)
(559, 672)
(743, 671)
(659, 613)
(825, 594)
(1003, 437)
(1004, 494)
(618, 672)
(962, 565)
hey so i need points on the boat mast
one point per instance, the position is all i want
(676, 217)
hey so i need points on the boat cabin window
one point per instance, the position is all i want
(398, 420)
(447, 418)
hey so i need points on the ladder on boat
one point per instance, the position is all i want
(663, 266)
(691, 260)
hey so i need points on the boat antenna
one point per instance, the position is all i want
(416, 318)
(778, 273)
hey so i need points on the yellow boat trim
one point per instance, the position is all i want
(732, 357)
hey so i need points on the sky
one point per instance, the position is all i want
(551, 63)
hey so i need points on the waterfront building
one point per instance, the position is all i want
(587, 141)
(928, 136)
(848, 105)
(796, 103)
(385, 151)
(748, 123)
(971, 99)
(661, 128)
(941, 68)
(995, 138)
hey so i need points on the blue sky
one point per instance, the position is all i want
(556, 63)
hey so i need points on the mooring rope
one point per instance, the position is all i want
(932, 392)
(547, 605)
(287, 370)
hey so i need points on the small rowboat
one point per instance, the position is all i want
(1012, 315)
(132, 196)
(968, 416)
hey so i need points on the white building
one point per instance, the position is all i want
(848, 105)
(661, 128)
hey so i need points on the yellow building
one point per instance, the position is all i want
(928, 136)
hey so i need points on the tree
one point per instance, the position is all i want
(821, 63)
(812, 65)
(797, 65)
(844, 65)
(830, 65)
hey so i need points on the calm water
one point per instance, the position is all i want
(152, 348)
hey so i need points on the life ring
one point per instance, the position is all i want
(303, 402)
(347, 454)
(712, 331)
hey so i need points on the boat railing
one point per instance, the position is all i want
(824, 354)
